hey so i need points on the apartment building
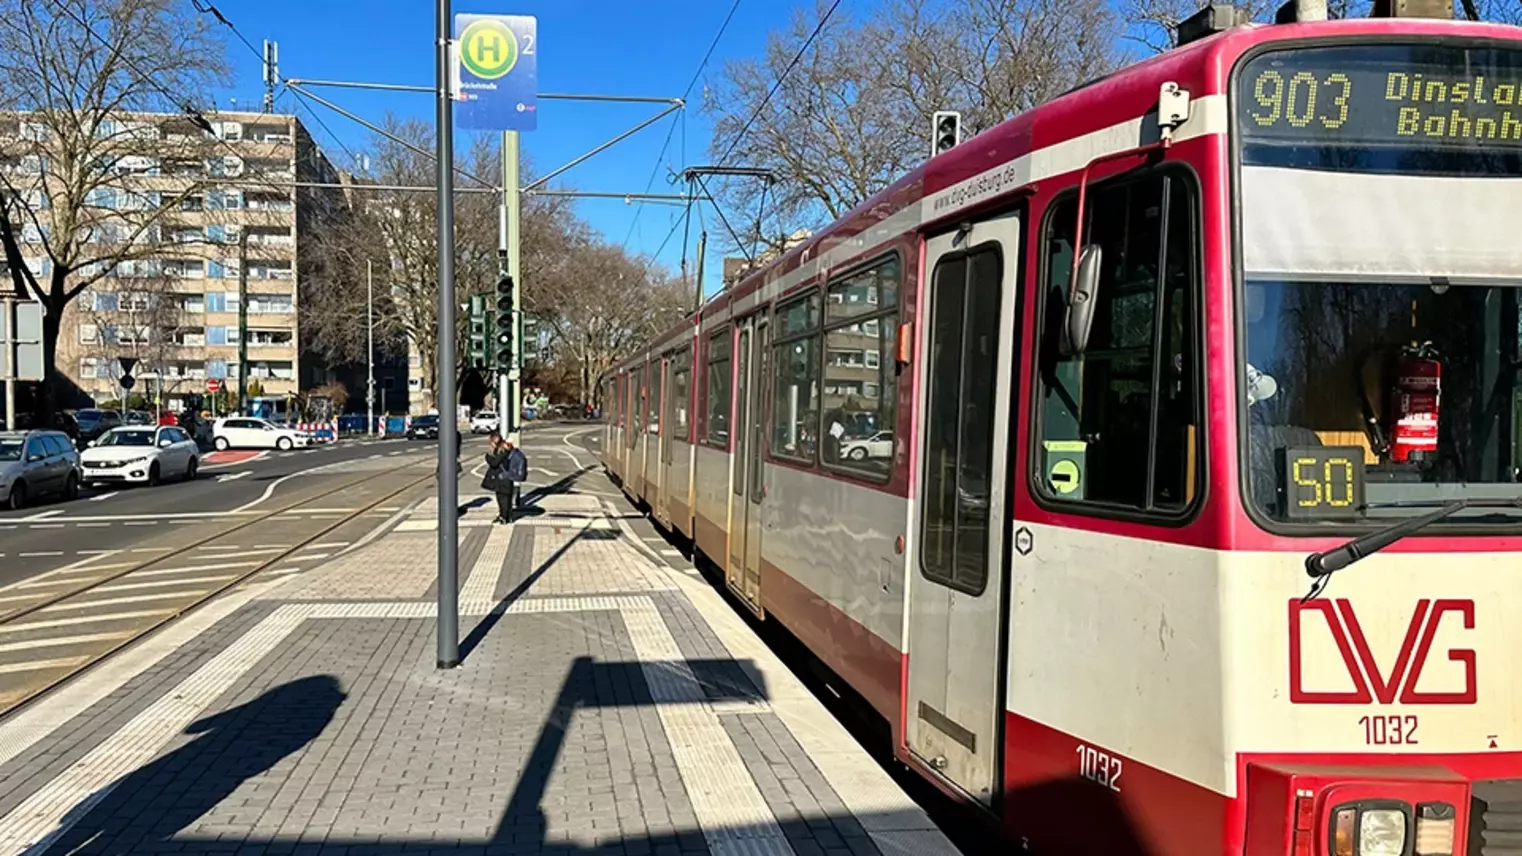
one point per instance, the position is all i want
(207, 216)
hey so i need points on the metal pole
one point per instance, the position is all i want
(8, 327)
(513, 200)
(504, 382)
(697, 293)
(242, 321)
(370, 348)
(449, 592)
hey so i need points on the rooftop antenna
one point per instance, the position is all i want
(271, 73)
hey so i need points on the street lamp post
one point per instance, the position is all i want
(370, 347)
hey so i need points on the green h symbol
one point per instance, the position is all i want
(489, 45)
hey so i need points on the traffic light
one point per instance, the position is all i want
(945, 131)
(504, 346)
(480, 332)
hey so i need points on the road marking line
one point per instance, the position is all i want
(40, 554)
(150, 549)
(209, 549)
(43, 515)
(93, 552)
(91, 526)
(141, 523)
(162, 583)
(60, 641)
(234, 476)
(311, 557)
(104, 496)
(58, 572)
(194, 569)
(46, 526)
(120, 601)
(82, 619)
(372, 457)
(41, 665)
(271, 546)
(328, 544)
(298, 512)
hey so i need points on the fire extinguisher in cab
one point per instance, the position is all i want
(1415, 403)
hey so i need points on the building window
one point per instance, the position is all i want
(1118, 426)
(795, 385)
(966, 291)
(718, 388)
(88, 334)
(860, 385)
(216, 335)
(106, 301)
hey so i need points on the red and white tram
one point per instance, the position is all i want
(1058, 523)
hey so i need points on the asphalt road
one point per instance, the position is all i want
(48, 536)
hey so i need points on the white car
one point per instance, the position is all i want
(242, 432)
(879, 445)
(484, 422)
(140, 454)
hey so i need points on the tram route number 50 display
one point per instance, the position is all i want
(1321, 482)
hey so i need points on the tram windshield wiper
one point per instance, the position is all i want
(1321, 564)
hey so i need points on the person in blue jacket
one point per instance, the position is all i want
(506, 469)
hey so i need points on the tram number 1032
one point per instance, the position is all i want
(1389, 730)
(1099, 766)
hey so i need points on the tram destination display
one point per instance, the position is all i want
(1322, 482)
(1411, 96)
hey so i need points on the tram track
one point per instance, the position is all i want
(54, 636)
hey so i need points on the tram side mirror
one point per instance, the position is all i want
(1080, 308)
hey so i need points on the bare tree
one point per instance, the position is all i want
(610, 304)
(144, 321)
(854, 114)
(77, 156)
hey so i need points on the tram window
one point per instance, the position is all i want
(795, 388)
(716, 413)
(860, 375)
(681, 392)
(966, 292)
(1118, 425)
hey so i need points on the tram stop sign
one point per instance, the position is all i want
(497, 72)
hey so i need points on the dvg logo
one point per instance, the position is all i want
(1376, 677)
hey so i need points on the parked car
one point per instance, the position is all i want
(137, 417)
(34, 464)
(242, 432)
(142, 455)
(28, 421)
(427, 428)
(484, 422)
(93, 423)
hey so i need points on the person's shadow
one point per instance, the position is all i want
(145, 809)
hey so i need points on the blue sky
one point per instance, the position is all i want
(628, 47)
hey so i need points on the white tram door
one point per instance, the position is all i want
(956, 595)
(743, 570)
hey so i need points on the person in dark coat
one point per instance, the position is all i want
(506, 468)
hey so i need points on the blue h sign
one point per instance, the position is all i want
(499, 76)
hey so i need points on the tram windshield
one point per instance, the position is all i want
(1380, 190)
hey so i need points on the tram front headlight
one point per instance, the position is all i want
(1381, 829)
(1382, 832)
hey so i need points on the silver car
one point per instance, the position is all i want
(34, 464)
